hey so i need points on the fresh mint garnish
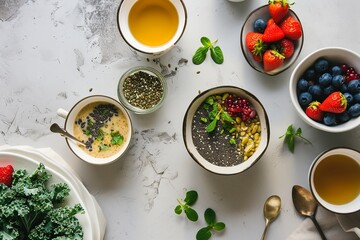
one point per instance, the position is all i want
(116, 138)
(217, 114)
(185, 206)
(215, 52)
(290, 136)
(212, 224)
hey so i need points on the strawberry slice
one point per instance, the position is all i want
(6, 175)
(313, 111)
(272, 59)
(335, 103)
(291, 28)
(273, 33)
(278, 9)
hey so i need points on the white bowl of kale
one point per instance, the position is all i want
(226, 130)
(46, 202)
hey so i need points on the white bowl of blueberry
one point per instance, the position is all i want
(325, 89)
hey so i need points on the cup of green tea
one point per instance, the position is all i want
(151, 27)
(334, 180)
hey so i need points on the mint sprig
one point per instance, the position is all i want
(185, 206)
(215, 52)
(212, 224)
(290, 136)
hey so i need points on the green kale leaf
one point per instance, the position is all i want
(30, 209)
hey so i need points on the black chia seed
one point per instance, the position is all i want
(97, 119)
(214, 146)
(143, 90)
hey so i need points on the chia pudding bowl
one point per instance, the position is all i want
(142, 90)
(226, 130)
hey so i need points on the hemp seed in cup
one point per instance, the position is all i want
(142, 90)
(226, 123)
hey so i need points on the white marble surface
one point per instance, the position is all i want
(53, 53)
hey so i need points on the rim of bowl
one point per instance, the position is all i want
(160, 49)
(124, 101)
(118, 155)
(313, 165)
(220, 169)
(292, 60)
(344, 127)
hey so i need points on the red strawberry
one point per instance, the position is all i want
(335, 103)
(270, 21)
(273, 33)
(255, 45)
(272, 59)
(313, 111)
(6, 175)
(287, 47)
(278, 9)
(291, 28)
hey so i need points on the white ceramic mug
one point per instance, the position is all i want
(340, 165)
(70, 118)
(150, 51)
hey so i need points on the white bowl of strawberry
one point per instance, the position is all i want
(272, 37)
(325, 89)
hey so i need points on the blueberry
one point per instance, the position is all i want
(344, 88)
(259, 25)
(305, 98)
(337, 81)
(336, 70)
(302, 85)
(354, 86)
(316, 91)
(325, 79)
(344, 117)
(329, 119)
(328, 90)
(321, 65)
(354, 110)
(356, 98)
(310, 74)
(349, 97)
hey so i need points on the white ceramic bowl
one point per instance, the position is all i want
(263, 13)
(27, 158)
(335, 54)
(346, 208)
(149, 51)
(188, 135)
(70, 118)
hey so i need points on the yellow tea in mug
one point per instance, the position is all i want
(153, 22)
(337, 179)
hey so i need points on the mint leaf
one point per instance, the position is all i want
(203, 234)
(117, 138)
(206, 42)
(200, 55)
(212, 126)
(217, 55)
(210, 216)
(191, 197)
(191, 214)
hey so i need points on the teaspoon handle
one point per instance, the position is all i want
(57, 129)
(265, 230)
(318, 227)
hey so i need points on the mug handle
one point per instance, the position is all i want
(62, 113)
